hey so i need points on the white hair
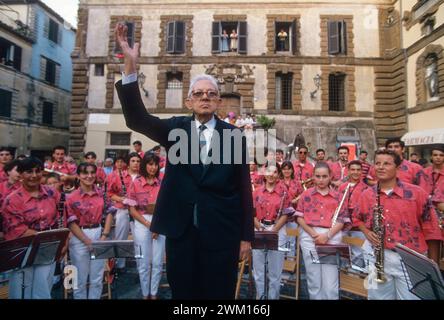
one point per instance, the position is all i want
(203, 77)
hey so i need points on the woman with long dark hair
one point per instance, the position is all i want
(143, 194)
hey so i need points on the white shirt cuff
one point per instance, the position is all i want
(126, 79)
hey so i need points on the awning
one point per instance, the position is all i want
(424, 137)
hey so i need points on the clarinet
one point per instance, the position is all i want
(281, 206)
(122, 182)
(379, 229)
(60, 209)
(338, 209)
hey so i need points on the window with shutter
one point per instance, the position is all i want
(10, 54)
(283, 36)
(170, 37)
(57, 75)
(17, 57)
(242, 37)
(60, 36)
(176, 37)
(336, 92)
(47, 113)
(5, 103)
(45, 27)
(284, 91)
(179, 43)
(333, 37)
(53, 33)
(216, 37)
(51, 72)
(293, 32)
(337, 37)
(343, 35)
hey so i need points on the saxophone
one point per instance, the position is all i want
(379, 230)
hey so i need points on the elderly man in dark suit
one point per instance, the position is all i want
(204, 208)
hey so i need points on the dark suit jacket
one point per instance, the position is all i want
(222, 192)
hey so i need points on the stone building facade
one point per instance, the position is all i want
(337, 75)
(35, 77)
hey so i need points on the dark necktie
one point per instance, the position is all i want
(202, 144)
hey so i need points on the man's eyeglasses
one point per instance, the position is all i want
(199, 94)
(302, 152)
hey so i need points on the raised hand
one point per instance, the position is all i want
(130, 54)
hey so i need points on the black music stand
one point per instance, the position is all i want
(265, 241)
(47, 247)
(115, 249)
(14, 254)
(334, 254)
(422, 274)
(42, 248)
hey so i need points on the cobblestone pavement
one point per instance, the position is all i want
(127, 286)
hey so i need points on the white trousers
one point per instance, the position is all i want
(322, 279)
(275, 261)
(395, 288)
(37, 282)
(121, 231)
(150, 266)
(80, 258)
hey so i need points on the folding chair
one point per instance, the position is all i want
(4, 289)
(292, 266)
(240, 273)
(352, 281)
(241, 269)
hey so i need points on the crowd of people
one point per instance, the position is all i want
(96, 202)
(115, 198)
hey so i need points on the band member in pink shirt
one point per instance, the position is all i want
(408, 171)
(435, 175)
(91, 157)
(339, 168)
(59, 164)
(8, 186)
(118, 185)
(143, 192)
(357, 186)
(315, 212)
(84, 209)
(30, 209)
(303, 169)
(5, 157)
(407, 217)
(138, 148)
(272, 204)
